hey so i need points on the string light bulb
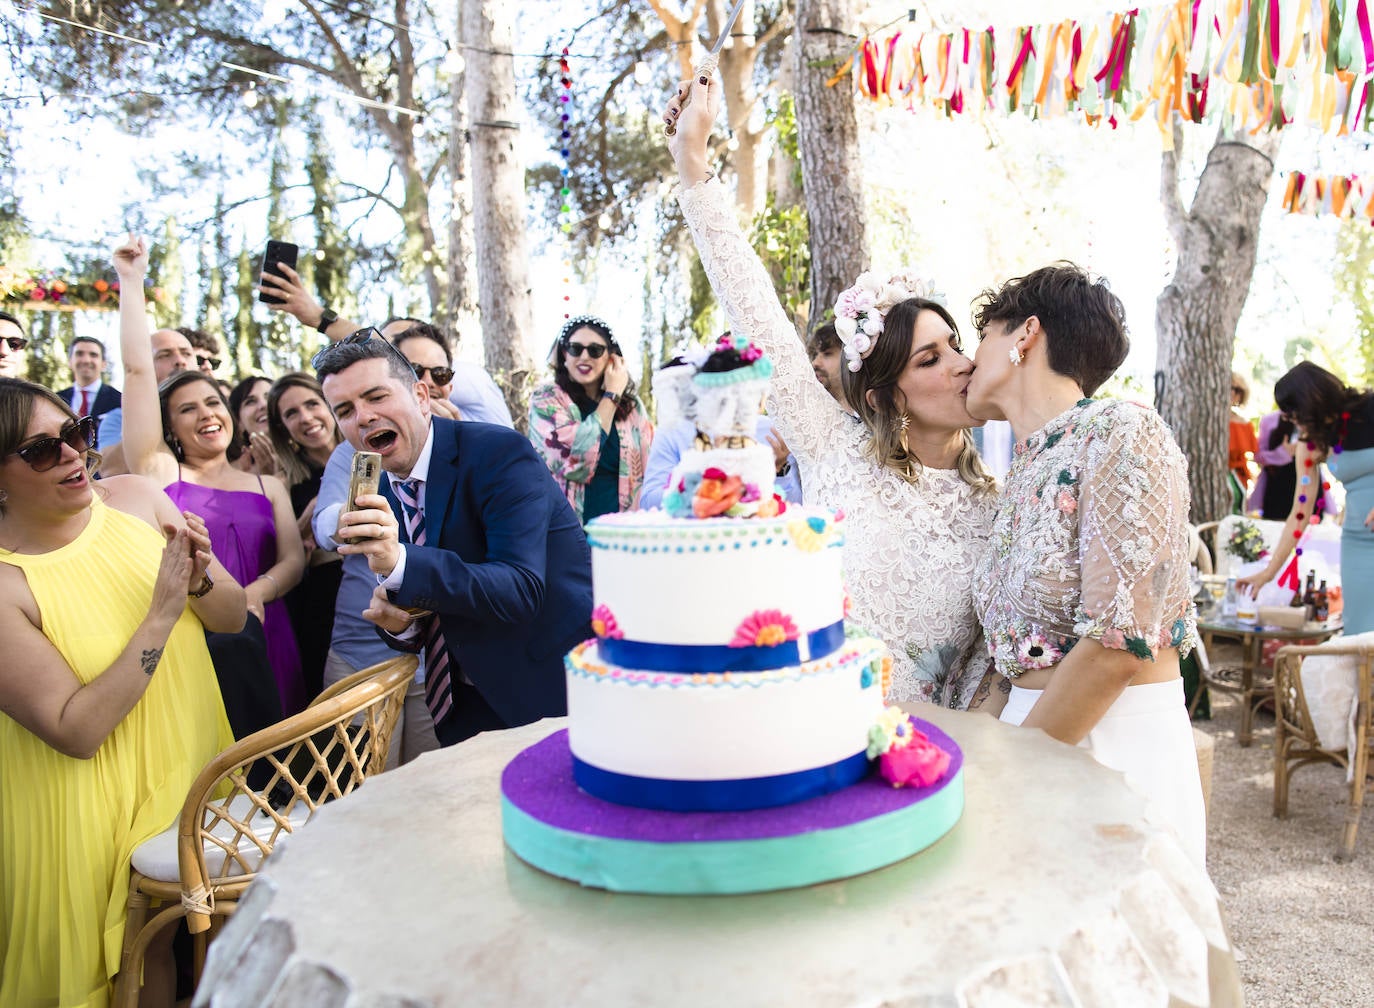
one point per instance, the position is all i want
(453, 62)
(642, 73)
(250, 97)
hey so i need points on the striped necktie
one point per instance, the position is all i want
(438, 686)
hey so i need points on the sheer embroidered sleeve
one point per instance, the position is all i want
(1133, 535)
(804, 412)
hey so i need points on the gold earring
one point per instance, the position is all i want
(1015, 356)
(902, 423)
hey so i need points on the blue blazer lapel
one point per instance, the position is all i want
(443, 476)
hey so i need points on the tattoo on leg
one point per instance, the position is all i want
(150, 660)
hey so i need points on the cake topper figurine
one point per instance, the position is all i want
(728, 392)
(728, 473)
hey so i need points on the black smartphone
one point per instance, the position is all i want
(276, 254)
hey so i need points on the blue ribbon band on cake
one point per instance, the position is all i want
(641, 655)
(718, 795)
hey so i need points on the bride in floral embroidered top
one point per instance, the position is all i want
(917, 500)
(1084, 594)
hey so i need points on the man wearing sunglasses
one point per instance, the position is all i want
(89, 396)
(12, 344)
(480, 560)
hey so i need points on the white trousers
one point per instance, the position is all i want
(1147, 736)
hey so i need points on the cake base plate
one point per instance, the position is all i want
(551, 824)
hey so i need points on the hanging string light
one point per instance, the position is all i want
(565, 152)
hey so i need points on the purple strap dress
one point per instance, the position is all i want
(243, 534)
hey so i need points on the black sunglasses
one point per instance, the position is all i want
(442, 375)
(214, 362)
(359, 337)
(46, 452)
(16, 343)
(593, 350)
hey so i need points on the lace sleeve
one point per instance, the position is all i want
(805, 413)
(569, 444)
(1133, 535)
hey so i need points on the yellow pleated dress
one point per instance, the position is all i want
(68, 826)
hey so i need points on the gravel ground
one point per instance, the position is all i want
(1301, 922)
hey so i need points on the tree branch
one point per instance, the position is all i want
(1175, 216)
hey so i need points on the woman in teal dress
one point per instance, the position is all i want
(1336, 426)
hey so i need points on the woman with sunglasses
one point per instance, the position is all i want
(12, 344)
(252, 448)
(304, 435)
(589, 425)
(108, 701)
(179, 435)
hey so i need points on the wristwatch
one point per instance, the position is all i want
(204, 589)
(612, 396)
(328, 317)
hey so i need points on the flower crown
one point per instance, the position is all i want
(860, 310)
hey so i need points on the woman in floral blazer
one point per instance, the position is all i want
(588, 424)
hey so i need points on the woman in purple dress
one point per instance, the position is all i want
(179, 435)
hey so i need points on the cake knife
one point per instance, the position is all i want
(708, 65)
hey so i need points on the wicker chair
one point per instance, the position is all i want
(198, 867)
(1296, 742)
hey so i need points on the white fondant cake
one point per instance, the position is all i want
(728, 725)
(721, 677)
(659, 580)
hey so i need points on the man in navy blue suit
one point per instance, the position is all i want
(89, 396)
(480, 560)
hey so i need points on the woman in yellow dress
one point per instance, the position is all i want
(108, 702)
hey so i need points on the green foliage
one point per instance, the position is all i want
(779, 236)
(783, 119)
(165, 271)
(1354, 277)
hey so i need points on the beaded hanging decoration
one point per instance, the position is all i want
(1305, 480)
(564, 142)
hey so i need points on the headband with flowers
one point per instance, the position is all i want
(860, 310)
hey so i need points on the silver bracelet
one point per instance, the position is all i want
(275, 587)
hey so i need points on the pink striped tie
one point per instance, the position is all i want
(438, 685)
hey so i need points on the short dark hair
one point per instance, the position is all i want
(7, 317)
(86, 339)
(200, 339)
(423, 330)
(823, 338)
(344, 355)
(1083, 321)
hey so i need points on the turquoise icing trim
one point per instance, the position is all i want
(736, 866)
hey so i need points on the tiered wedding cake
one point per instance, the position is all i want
(723, 727)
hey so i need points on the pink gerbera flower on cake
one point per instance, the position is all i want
(765, 628)
(604, 624)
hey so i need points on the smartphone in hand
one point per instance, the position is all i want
(365, 479)
(276, 253)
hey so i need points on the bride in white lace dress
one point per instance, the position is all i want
(916, 499)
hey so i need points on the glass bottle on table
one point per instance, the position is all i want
(1322, 603)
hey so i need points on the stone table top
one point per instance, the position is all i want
(1053, 889)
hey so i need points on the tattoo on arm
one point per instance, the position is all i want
(1004, 685)
(150, 659)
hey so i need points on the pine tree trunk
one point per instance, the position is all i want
(498, 175)
(460, 313)
(1196, 315)
(828, 137)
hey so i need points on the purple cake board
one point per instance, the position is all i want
(540, 783)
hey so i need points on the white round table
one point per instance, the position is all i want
(1052, 890)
